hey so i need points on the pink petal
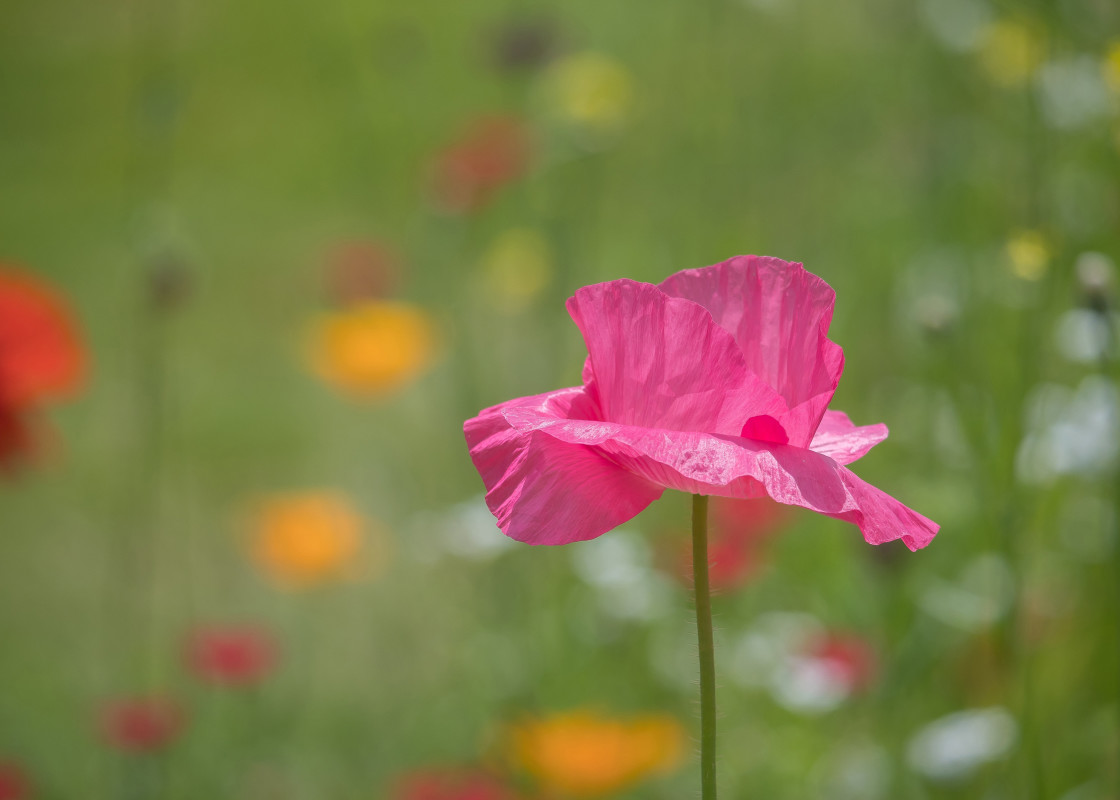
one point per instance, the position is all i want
(659, 361)
(729, 466)
(779, 314)
(843, 442)
(545, 490)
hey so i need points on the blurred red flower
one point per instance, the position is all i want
(849, 658)
(361, 270)
(13, 783)
(41, 357)
(141, 724)
(16, 439)
(235, 656)
(492, 152)
(451, 784)
(739, 532)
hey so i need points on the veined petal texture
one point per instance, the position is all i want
(779, 315)
(658, 361)
(844, 442)
(544, 490)
(729, 466)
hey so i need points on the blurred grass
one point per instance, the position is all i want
(247, 139)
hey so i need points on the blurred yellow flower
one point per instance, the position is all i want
(590, 91)
(584, 754)
(1011, 51)
(1028, 255)
(516, 268)
(303, 538)
(374, 347)
(1111, 66)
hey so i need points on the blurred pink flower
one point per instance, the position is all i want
(451, 784)
(492, 152)
(233, 656)
(715, 382)
(141, 724)
(14, 784)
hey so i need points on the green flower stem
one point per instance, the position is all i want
(707, 647)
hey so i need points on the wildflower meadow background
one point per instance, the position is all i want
(258, 263)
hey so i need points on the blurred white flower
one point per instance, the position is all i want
(809, 685)
(958, 24)
(1085, 336)
(981, 596)
(1096, 273)
(1070, 432)
(766, 646)
(853, 771)
(954, 746)
(619, 566)
(466, 529)
(805, 668)
(1072, 91)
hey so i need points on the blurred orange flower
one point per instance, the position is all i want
(492, 152)
(374, 347)
(13, 783)
(585, 754)
(141, 724)
(304, 538)
(231, 656)
(41, 357)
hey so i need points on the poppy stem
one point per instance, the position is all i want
(707, 647)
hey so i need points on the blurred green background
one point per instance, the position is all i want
(195, 177)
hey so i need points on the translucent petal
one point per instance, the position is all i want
(545, 490)
(730, 466)
(779, 315)
(844, 442)
(657, 361)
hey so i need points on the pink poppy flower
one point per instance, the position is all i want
(715, 382)
(231, 656)
(141, 724)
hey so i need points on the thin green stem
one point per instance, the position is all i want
(707, 647)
